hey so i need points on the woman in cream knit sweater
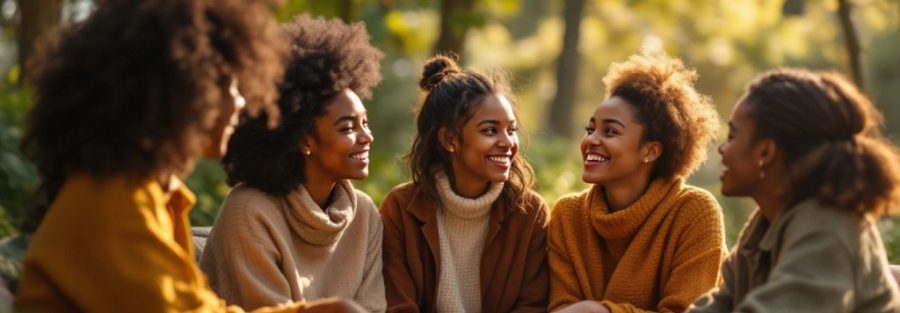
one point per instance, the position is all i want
(639, 240)
(468, 234)
(294, 228)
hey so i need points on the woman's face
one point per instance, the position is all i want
(612, 147)
(339, 147)
(484, 150)
(225, 121)
(740, 164)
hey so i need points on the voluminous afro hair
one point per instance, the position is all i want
(661, 91)
(326, 57)
(132, 88)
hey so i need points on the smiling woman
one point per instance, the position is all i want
(639, 240)
(468, 234)
(294, 227)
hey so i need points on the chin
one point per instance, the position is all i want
(591, 179)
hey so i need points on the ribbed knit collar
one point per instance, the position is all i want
(624, 223)
(463, 207)
(316, 226)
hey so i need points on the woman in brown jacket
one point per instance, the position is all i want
(467, 234)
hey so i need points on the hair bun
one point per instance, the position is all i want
(435, 69)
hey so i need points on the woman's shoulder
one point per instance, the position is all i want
(697, 200)
(244, 201)
(397, 199)
(569, 204)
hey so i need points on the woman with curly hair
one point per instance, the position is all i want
(126, 101)
(640, 239)
(468, 234)
(294, 227)
(806, 146)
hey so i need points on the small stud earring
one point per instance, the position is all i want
(762, 173)
(307, 152)
(646, 160)
(451, 149)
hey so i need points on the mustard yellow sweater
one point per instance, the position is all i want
(115, 245)
(659, 254)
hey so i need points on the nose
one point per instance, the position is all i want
(507, 140)
(366, 137)
(721, 149)
(592, 139)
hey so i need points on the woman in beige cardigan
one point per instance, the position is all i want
(805, 146)
(294, 228)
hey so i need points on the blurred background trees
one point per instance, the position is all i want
(555, 52)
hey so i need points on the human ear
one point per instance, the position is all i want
(447, 140)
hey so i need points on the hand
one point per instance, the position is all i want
(333, 306)
(586, 306)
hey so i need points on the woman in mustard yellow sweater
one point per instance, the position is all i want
(126, 102)
(640, 239)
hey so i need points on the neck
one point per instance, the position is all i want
(469, 190)
(770, 203)
(319, 187)
(620, 195)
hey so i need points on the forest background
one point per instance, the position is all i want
(556, 52)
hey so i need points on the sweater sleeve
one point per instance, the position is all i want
(533, 296)
(399, 288)
(720, 299)
(699, 251)
(241, 258)
(115, 256)
(371, 292)
(564, 289)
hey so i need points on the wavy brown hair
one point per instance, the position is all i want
(131, 89)
(830, 137)
(451, 95)
(661, 91)
(326, 57)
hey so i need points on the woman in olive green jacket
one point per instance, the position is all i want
(805, 146)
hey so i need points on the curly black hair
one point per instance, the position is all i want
(130, 90)
(327, 56)
(451, 96)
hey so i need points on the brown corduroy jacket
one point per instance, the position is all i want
(514, 272)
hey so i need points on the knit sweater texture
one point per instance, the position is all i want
(462, 228)
(265, 249)
(658, 254)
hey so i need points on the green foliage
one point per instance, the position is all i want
(17, 175)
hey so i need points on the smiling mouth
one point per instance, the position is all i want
(593, 157)
(504, 160)
(361, 156)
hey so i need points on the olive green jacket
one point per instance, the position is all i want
(812, 259)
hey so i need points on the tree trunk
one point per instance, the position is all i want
(454, 26)
(348, 11)
(851, 40)
(39, 17)
(560, 117)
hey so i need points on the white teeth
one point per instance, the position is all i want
(499, 159)
(360, 156)
(597, 157)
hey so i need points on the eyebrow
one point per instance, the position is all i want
(346, 118)
(493, 122)
(614, 121)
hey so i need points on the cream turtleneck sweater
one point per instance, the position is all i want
(462, 228)
(265, 250)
